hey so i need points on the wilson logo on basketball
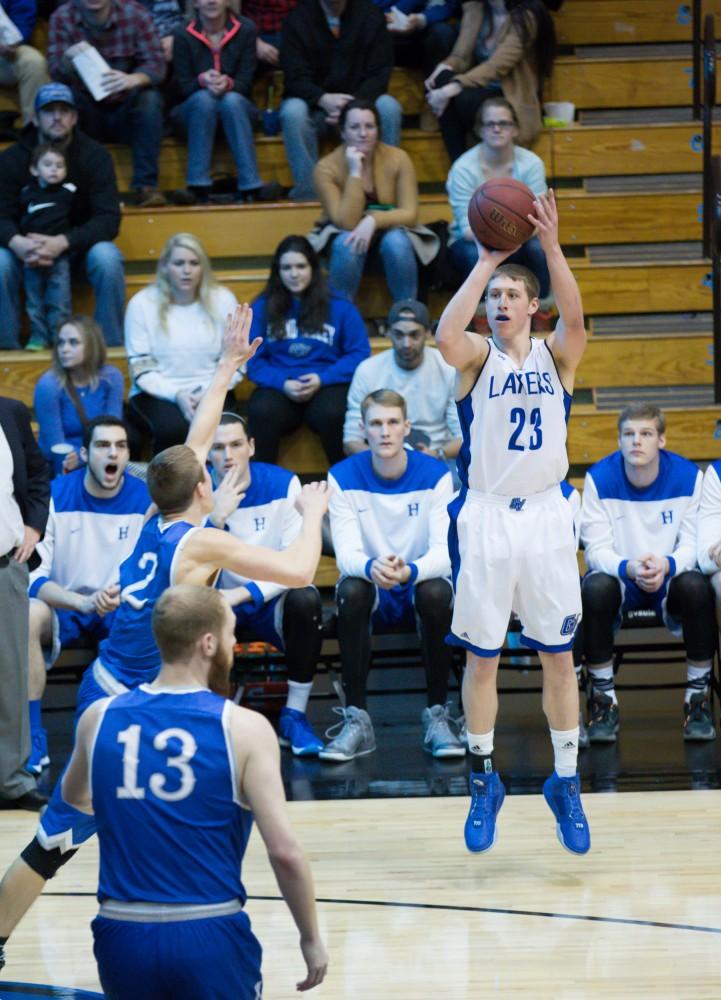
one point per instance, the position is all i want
(505, 224)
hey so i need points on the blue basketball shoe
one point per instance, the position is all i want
(297, 733)
(487, 795)
(563, 796)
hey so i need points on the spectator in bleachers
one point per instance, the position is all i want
(504, 47)
(20, 64)
(639, 529)
(268, 17)
(313, 340)
(173, 339)
(331, 52)
(421, 32)
(47, 201)
(255, 502)
(214, 63)
(79, 387)
(168, 18)
(416, 372)
(94, 216)
(24, 501)
(132, 110)
(96, 515)
(496, 155)
(369, 195)
(390, 533)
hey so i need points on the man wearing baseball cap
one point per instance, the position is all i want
(419, 374)
(94, 216)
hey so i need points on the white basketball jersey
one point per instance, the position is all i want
(514, 425)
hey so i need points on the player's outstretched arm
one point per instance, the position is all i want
(76, 780)
(237, 348)
(568, 341)
(460, 347)
(258, 767)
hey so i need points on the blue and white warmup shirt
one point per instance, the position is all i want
(514, 425)
(372, 517)
(265, 516)
(162, 767)
(709, 518)
(87, 538)
(620, 522)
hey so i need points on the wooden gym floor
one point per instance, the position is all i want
(409, 915)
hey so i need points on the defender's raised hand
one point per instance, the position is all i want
(236, 346)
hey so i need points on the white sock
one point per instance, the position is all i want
(482, 743)
(298, 695)
(565, 751)
(697, 678)
(602, 680)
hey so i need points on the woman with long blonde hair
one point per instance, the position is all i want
(79, 386)
(173, 338)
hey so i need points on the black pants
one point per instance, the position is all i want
(271, 415)
(459, 117)
(424, 49)
(161, 419)
(302, 633)
(355, 604)
(690, 600)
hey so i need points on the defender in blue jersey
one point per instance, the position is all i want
(174, 774)
(255, 501)
(172, 548)
(639, 529)
(96, 515)
(511, 540)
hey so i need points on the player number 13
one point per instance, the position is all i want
(518, 417)
(130, 789)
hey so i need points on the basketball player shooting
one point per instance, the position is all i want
(511, 537)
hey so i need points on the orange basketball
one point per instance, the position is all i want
(497, 213)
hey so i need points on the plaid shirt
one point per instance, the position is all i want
(128, 41)
(268, 15)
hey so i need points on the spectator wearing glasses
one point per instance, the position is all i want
(496, 155)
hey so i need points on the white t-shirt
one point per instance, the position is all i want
(428, 391)
(184, 356)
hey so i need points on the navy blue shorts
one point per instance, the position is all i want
(211, 959)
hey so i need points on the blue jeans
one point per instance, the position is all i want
(199, 115)
(399, 265)
(103, 269)
(464, 255)
(137, 120)
(302, 127)
(47, 298)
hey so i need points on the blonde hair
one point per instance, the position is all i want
(208, 285)
(384, 397)
(183, 614)
(172, 477)
(94, 350)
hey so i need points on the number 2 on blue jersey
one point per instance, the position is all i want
(518, 416)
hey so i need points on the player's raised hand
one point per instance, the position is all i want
(313, 499)
(236, 338)
(546, 219)
(316, 960)
(493, 257)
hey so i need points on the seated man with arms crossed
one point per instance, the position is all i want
(172, 548)
(96, 515)
(638, 526)
(390, 526)
(255, 501)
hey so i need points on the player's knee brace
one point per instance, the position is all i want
(45, 863)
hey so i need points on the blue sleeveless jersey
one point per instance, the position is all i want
(170, 825)
(129, 652)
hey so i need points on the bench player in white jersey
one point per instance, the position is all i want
(255, 501)
(511, 539)
(172, 548)
(96, 515)
(175, 775)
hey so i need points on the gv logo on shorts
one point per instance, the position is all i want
(568, 626)
(517, 503)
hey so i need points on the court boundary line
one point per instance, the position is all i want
(502, 911)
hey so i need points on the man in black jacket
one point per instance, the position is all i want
(94, 220)
(332, 51)
(24, 505)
